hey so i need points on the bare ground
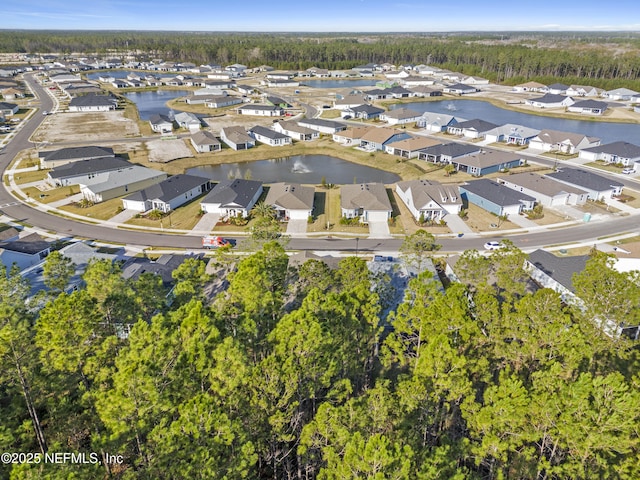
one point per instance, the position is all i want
(86, 127)
(162, 151)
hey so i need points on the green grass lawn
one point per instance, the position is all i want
(53, 195)
(605, 166)
(100, 211)
(182, 218)
(26, 177)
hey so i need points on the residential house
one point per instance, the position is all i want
(245, 89)
(121, 182)
(459, 89)
(160, 123)
(558, 89)
(236, 137)
(564, 142)
(618, 153)
(365, 112)
(550, 100)
(93, 103)
(89, 171)
(349, 101)
(281, 83)
(378, 138)
(322, 126)
(400, 116)
(531, 87)
(485, 162)
(496, 198)
(410, 147)
(429, 200)
(232, 198)
(511, 134)
(296, 131)
(423, 91)
(584, 91)
(545, 190)
(277, 101)
(447, 152)
(366, 201)
(24, 252)
(11, 93)
(620, 94)
(471, 128)
(597, 186)
(8, 109)
(205, 141)
(55, 158)
(351, 136)
(437, 122)
(588, 107)
(221, 101)
(414, 81)
(214, 85)
(168, 194)
(269, 137)
(291, 201)
(260, 110)
(189, 121)
(556, 273)
(163, 267)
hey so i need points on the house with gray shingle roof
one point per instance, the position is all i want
(236, 137)
(410, 147)
(167, 195)
(447, 152)
(623, 153)
(291, 201)
(269, 137)
(550, 100)
(545, 190)
(205, 141)
(496, 198)
(89, 171)
(367, 201)
(55, 158)
(486, 161)
(188, 120)
(556, 273)
(565, 142)
(597, 186)
(400, 116)
(475, 128)
(121, 182)
(321, 125)
(24, 252)
(428, 199)
(437, 122)
(93, 103)
(161, 123)
(260, 110)
(511, 134)
(459, 89)
(232, 198)
(377, 138)
(588, 107)
(365, 112)
(296, 131)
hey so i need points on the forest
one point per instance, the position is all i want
(290, 373)
(605, 60)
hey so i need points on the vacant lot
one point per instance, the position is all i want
(162, 151)
(89, 127)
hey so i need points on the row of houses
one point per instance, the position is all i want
(617, 94)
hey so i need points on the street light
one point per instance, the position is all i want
(357, 241)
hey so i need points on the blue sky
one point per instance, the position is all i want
(320, 15)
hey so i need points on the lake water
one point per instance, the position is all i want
(151, 102)
(471, 109)
(339, 83)
(306, 169)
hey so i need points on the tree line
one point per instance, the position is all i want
(288, 373)
(587, 58)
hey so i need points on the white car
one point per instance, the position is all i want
(628, 171)
(493, 245)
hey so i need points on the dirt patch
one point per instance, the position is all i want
(162, 151)
(86, 127)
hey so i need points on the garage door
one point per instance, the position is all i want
(377, 216)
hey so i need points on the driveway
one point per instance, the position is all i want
(206, 223)
(522, 221)
(379, 229)
(297, 227)
(457, 225)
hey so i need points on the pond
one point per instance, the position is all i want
(305, 169)
(471, 109)
(151, 102)
(339, 83)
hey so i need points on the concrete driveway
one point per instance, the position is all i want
(206, 223)
(379, 229)
(296, 227)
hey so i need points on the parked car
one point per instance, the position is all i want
(46, 112)
(628, 171)
(215, 242)
(493, 245)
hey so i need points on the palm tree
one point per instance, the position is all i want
(263, 210)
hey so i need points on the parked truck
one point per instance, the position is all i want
(211, 241)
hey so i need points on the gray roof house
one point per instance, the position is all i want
(511, 134)
(188, 120)
(475, 128)
(556, 273)
(447, 152)
(168, 194)
(89, 171)
(24, 252)
(588, 107)
(367, 201)
(205, 141)
(565, 142)
(321, 125)
(365, 112)
(550, 100)
(231, 198)
(459, 89)
(160, 123)
(623, 153)
(496, 198)
(400, 116)
(236, 137)
(221, 101)
(8, 109)
(121, 182)
(428, 199)
(93, 103)
(260, 110)
(293, 129)
(269, 137)
(291, 201)
(437, 122)
(377, 138)
(597, 186)
(486, 161)
(55, 158)
(545, 190)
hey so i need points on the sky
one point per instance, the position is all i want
(322, 15)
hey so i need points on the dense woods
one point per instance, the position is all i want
(288, 374)
(602, 60)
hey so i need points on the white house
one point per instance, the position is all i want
(160, 123)
(93, 103)
(269, 137)
(296, 131)
(366, 201)
(232, 198)
(291, 201)
(565, 142)
(24, 252)
(550, 100)
(189, 121)
(429, 200)
(168, 194)
(545, 190)
(121, 182)
(205, 141)
(400, 116)
(597, 186)
(623, 153)
(437, 122)
(236, 137)
(511, 134)
(261, 110)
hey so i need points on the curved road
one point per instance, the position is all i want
(24, 213)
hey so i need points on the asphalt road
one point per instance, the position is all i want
(70, 228)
